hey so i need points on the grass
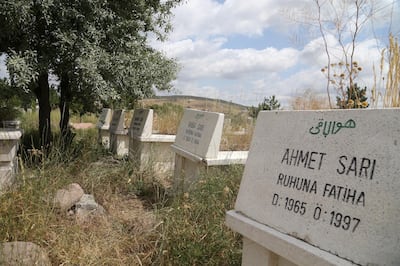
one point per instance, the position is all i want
(388, 79)
(145, 223)
(193, 230)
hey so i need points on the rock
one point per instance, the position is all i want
(23, 253)
(87, 208)
(66, 198)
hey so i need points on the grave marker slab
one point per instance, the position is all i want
(148, 149)
(328, 178)
(200, 133)
(197, 146)
(103, 126)
(142, 123)
(9, 145)
(119, 139)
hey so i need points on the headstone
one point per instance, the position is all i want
(142, 123)
(119, 139)
(148, 149)
(197, 146)
(103, 126)
(200, 132)
(9, 145)
(324, 185)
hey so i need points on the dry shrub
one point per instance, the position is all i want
(390, 82)
(166, 118)
(309, 100)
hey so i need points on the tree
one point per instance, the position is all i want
(97, 49)
(270, 103)
(11, 97)
(355, 98)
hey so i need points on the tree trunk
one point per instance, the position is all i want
(43, 96)
(65, 101)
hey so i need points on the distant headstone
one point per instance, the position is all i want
(200, 132)
(148, 149)
(197, 146)
(141, 123)
(323, 181)
(119, 139)
(117, 121)
(103, 126)
(9, 145)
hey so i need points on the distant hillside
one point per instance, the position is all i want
(195, 102)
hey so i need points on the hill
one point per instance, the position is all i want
(195, 102)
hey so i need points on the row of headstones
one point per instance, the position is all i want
(194, 147)
(319, 187)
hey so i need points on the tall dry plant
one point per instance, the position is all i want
(390, 81)
(344, 20)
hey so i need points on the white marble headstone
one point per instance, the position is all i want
(329, 178)
(117, 122)
(105, 118)
(200, 132)
(141, 123)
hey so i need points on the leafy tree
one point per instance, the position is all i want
(354, 98)
(98, 49)
(270, 103)
(11, 97)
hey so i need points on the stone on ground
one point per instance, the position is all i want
(23, 253)
(66, 197)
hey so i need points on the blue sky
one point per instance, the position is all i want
(243, 51)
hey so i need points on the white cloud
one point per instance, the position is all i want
(204, 18)
(234, 64)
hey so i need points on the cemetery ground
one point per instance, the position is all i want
(144, 223)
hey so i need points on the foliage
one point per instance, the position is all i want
(389, 81)
(98, 50)
(270, 103)
(355, 98)
(349, 95)
(9, 96)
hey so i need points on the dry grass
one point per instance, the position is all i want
(389, 82)
(166, 118)
(198, 103)
(309, 100)
(143, 224)
(126, 235)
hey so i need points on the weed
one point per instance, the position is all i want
(144, 224)
(193, 230)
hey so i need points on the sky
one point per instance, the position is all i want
(243, 51)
